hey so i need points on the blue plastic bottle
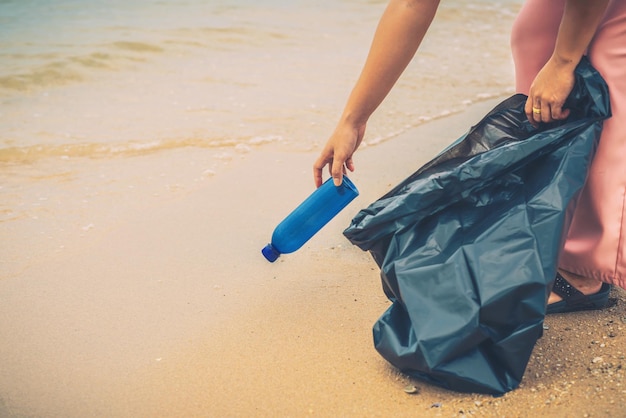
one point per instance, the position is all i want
(309, 217)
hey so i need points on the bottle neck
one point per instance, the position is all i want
(270, 253)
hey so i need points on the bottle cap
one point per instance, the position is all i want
(270, 253)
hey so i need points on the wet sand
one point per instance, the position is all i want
(150, 304)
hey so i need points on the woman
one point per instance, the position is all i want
(549, 38)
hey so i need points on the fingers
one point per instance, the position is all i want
(336, 171)
(543, 113)
(317, 176)
(337, 154)
(318, 166)
(533, 111)
(336, 168)
(350, 164)
(538, 112)
(558, 113)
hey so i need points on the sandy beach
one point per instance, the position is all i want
(158, 303)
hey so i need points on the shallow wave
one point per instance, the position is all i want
(31, 71)
(55, 73)
(35, 153)
(137, 46)
(236, 34)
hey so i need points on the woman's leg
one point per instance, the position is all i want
(532, 42)
(596, 243)
(595, 246)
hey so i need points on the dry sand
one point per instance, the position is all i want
(164, 307)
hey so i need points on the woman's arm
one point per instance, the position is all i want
(555, 81)
(400, 32)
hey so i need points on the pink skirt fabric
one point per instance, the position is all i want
(595, 245)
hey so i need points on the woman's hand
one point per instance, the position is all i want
(549, 91)
(338, 151)
(555, 81)
(400, 32)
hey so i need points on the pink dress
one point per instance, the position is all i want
(596, 242)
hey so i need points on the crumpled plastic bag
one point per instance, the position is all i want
(468, 245)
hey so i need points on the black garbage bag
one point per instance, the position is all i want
(468, 245)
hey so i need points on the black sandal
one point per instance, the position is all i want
(574, 300)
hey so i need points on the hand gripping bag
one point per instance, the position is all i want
(468, 245)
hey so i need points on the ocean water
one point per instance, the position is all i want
(103, 80)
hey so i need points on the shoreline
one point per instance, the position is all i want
(165, 307)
